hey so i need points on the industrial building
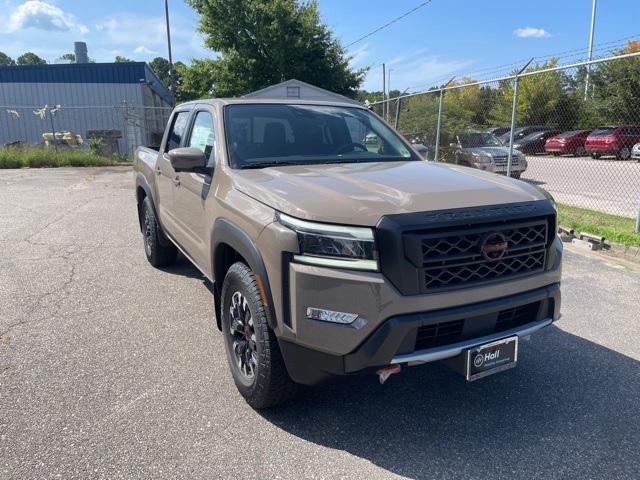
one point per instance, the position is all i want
(124, 103)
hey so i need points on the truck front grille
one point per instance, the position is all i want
(443, 250)
(455, 258)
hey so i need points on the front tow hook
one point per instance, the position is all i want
(386, 372)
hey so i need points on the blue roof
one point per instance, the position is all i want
(122, 72)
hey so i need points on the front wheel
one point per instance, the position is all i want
(580, 152)
(253, 353)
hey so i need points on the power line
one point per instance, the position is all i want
(391, 22)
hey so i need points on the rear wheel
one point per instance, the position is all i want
(158, 250)
(624, 153)
(580, 152)
(253, 353)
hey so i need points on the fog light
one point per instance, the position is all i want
(330, 316)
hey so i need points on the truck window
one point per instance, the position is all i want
(202, 136)
(178, 127)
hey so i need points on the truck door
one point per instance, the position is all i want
(166, 176)
(191, 194)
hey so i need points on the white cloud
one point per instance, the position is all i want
(41, 15)
(144, 50)
(359, 55)
(414, 70)
(531, 32)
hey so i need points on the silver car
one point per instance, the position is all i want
(635, 152)
(484, 151)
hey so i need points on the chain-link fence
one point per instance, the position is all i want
(574, 129)
(113, 130)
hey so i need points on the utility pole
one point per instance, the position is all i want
(384, 91)
(593, 25)
(172, 85)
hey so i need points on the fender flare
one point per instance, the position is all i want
(226, 232)
(141, 181)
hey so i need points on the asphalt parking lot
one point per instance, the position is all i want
(606, 184)
(112, 369)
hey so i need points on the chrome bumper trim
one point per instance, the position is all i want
(448, 351)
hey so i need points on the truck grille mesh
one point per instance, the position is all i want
(454, 259)
(447, 333)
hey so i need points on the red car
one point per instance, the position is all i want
(616, 141)
(568, 142)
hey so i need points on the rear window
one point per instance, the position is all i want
(601, 132)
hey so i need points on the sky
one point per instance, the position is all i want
(440, 40)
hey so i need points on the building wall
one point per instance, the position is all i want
(83, 107)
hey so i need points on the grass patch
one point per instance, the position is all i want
(39, 158)
(612, 227)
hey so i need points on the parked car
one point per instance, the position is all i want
(521, 132)
(497, 131)
(568, 142)
(534, 142)
(635, 152)
(328, 259)
(613, 140)
(484, 151)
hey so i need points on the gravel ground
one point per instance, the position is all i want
(112, 369)
(606, 185)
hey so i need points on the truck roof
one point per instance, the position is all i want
(289, 101)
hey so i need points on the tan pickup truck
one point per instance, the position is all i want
(332, 257)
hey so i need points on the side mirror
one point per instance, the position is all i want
(187, 159)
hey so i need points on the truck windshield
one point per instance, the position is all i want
(472, 140)
(261, 135)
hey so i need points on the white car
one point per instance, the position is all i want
(635, 152)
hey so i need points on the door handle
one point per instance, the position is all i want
(176, 181)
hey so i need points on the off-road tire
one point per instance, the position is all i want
(157, 254)
(271, 384)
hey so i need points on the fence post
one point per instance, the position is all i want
(437, 150)
(514, 108)
(638, 219)
(398, 105)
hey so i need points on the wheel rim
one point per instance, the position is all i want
(148, 233)
(624, 153)
(243, 336)
(580, 151)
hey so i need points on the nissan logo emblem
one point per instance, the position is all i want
(494, 247)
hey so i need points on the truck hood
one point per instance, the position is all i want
(360, 194)
(493, 151)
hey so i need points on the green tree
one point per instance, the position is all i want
(30, 58)
(6, 60)
(162, 69)
(263, 42)
(121, 59)
(69, 56)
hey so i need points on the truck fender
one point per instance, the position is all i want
(141, 182)
(225, 232)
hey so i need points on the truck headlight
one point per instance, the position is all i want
(330, 245)
(481, 158)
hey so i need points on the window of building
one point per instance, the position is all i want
(293, 92)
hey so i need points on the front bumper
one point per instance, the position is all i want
(395, 339)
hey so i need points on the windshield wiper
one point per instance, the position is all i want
(267, 164)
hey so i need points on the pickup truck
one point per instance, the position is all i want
(328, 257)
